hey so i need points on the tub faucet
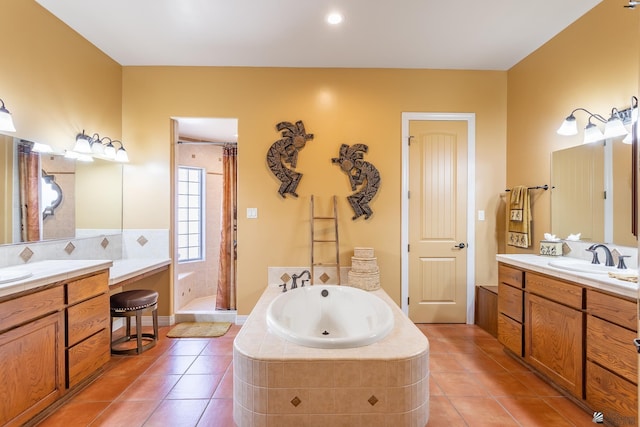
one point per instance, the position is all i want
(295, 277)
(607, 252)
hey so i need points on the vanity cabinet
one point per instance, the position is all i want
(578, 337)
(510, 308)
(88, 337)
(31, 354)
(611, 376)
(51, 339)
(554, 330)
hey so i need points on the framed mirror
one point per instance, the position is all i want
(592, 192)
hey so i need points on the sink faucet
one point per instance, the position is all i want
(607, 252)
(295, 277)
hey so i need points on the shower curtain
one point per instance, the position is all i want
(226, 292)
(28, 168)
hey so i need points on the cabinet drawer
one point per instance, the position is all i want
(614, 309)
(510, 301)
(616, 398)
(88, 356)
(23, 309)
(87, 318)
(612, 346)
(511, 276)
(87, 287)
(510, 334)
(555, 290)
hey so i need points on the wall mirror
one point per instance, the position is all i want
(67, 198)
(592, 192)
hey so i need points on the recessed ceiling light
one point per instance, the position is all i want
(334, 18)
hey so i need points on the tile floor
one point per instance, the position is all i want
(189, 382)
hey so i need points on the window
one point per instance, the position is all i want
(190, 213)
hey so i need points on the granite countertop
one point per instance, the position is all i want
(540, 264)
(124, 269)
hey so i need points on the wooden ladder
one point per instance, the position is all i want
(315, 241)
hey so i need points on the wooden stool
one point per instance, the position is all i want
(134, 303)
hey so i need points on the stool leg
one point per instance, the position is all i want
(139, 330)
(154, 315)
(128, 321)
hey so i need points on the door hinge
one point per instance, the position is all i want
(408, 248)
(408, 194)
(409, 299)
(409, 139)
(605, 194)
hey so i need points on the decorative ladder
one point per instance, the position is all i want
(315, 241)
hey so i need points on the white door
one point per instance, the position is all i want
(438, 221)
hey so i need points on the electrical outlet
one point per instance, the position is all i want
(252, 213)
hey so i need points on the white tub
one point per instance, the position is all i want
(329, 316)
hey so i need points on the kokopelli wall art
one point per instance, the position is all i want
(363, 177)
(282, 156)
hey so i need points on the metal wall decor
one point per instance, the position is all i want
(285, 150)
(361, 173)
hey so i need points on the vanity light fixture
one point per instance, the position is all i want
(6, 121)
(614, 126)
(100, 147)
(634, 119)
(334, 18)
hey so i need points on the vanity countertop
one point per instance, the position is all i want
(540, 264)
(46, 272)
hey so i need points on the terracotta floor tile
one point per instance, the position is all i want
(125, 414)
(443, 414)
(171, 365)
(129, 366)
(482, 412)
(537, 384)
(177, 413)
(75, 414)
(150, 387)
(570, 410)
(187, 347)
(478, 362)
(459, 384)
(219, 413)
(509, 363)
(443, 362)
(225, 388)
(222, 346)
(103, 389)
(195, 387)
(504, 384)
(533, 411)
(210, 365)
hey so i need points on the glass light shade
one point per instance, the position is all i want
(6, 121)
(627, 139)
(82, 144)
(614, 128)
(97, 147)
(122, 156)
(592, 134)
(568, 127)
(110, 151)
(42, 148)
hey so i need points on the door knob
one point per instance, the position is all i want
(460, 246)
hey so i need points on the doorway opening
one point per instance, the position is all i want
(204, 218)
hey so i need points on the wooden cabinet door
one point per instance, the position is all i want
(31, 368)
(553, 342)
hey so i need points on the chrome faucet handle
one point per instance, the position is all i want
(621, 263)
(283, 286)
(294, 283)
(303, 280)
(595, 259)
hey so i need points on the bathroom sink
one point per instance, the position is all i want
(586, 267)
(14, 275)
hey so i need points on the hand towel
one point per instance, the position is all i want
(519, 233)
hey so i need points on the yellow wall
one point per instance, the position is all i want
(592, 64)
(54, 82)
(338, 106)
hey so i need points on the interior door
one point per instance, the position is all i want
(438, 221)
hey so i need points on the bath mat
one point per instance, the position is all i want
(199, 329)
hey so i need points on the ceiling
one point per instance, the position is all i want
(435, 34)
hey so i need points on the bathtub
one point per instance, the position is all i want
(329, 316)
(277, 382)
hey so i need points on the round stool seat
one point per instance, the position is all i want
(130, 304)
(137, 299)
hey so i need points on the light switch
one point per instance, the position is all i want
(252, 213)
(480, 215)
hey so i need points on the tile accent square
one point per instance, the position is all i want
(325, 278)
(372, 400)
(285, 278)
(142, 240)
(104, 243)
(69, 248)
(296, 401)
(26, 254)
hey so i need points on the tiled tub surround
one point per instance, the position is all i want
(278, 383)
